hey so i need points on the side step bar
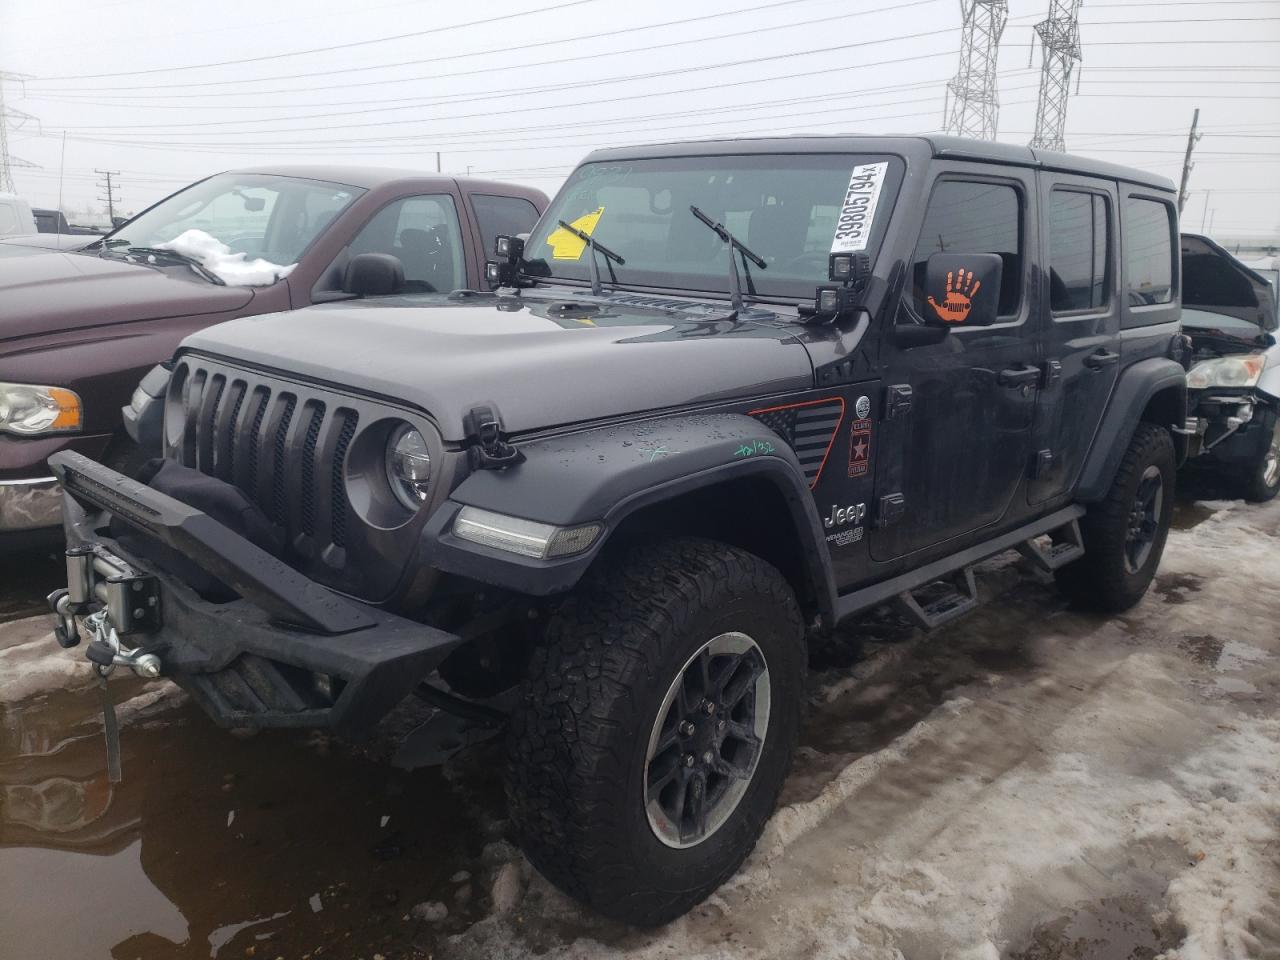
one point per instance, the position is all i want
(1064, 545)
(959, 595)
(908, 583)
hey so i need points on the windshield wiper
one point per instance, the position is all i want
(595, 247)
(192, 262)
(734, 244)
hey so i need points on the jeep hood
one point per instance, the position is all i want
(543, 362)
(54, 292)
(1215, 282)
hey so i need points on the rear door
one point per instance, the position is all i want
(959, 457)
(1080, 329)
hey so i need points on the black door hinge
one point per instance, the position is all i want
(488, 451)
(890, 510)
(897, 401)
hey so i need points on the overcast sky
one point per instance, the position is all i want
(166, 91)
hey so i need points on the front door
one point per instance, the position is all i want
(955, 460)
(1081, 332)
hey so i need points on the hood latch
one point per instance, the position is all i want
(488, 451)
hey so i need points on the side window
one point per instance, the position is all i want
(423, 233)
(1147, 228)
(502, 217)
(971, 217)
(1079, 251)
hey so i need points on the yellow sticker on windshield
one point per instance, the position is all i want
(564, 245)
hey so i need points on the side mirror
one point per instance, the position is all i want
(373, 275)
(962, 289)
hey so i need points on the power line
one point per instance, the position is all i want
(491, 52)
(99, 90)
(523, 108)
(504, 18)
(526, 90)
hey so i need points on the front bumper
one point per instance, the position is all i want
(288, 653)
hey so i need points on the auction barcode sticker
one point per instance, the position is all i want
(858, 212)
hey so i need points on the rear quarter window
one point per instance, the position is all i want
(1148, 229)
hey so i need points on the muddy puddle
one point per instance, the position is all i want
(1114, 928)
(282, 845)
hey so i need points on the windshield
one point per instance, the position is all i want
(260, 215)
(792, 210)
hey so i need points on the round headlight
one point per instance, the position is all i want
(408, 466)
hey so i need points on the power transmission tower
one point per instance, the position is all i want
(973, 102)
(8, 114)
(1192, 138)
(1060, 38)
(110, 188)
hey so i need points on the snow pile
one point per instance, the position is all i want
(31, 663)
(233, 268)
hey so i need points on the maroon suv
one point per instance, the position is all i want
(79, 329)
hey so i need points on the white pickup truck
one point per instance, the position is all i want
(16, 217)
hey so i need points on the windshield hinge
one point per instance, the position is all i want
(488, 450)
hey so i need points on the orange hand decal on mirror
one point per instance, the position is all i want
(957, 303)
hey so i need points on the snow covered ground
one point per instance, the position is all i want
(1127, 770)
(1028, 783)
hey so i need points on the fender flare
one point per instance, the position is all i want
(608, 473)
(1133, 391)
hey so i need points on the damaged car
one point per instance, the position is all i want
(79, 327)
(1233, 386)
(726, 396)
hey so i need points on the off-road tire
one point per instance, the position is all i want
(579, 738)
(1100, 579)
(1262, 482)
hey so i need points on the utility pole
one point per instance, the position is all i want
(437, 161)
(7, 160)
(972, 108)
(1192, 137)
(1060, 39)
(110, 187)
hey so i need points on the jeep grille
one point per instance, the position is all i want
(284, 444)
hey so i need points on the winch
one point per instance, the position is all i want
(129, 603)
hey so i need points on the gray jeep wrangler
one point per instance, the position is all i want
(726, 396)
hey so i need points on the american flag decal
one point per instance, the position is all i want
(809, 428)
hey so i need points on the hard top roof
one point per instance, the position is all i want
(936, 145)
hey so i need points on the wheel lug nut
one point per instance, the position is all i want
(687, 729)
(689, 760)
(720, 725)
(708, 707)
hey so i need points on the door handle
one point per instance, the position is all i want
(1023, 376)
(1100, 358)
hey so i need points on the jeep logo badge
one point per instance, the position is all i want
(842, 515)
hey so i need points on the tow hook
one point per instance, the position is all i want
(105, 651)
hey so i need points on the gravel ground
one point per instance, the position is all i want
(1028, 783)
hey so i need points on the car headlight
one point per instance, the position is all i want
(408, 466)
(28, 410)
(1242, 371)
